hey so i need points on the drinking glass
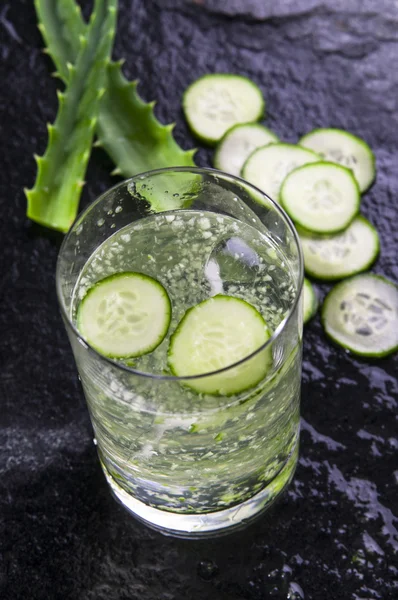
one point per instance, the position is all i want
(187, 463)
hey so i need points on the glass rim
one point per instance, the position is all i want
(195, 170)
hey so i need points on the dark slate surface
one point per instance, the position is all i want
(334, 534)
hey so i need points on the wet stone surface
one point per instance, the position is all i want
(335, 532)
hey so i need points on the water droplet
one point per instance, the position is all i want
(100, 222)
(207, 569)
(273, 575)
(274, 592)
(295, 592)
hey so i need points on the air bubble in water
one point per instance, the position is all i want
(131, 188)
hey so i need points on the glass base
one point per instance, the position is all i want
(206, 524)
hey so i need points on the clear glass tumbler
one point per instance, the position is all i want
(186, 462)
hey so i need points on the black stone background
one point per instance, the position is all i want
(334, 533)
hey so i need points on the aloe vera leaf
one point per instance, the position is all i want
(54, 199)
(127, 127)
(55, 20)
(131, 134)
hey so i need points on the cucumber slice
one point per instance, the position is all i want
(310, 301)
(214, 103)
(125, 315)
(342, 254)
(267, 167)
(336, 145)
(323, 197)
(217, 333)
(237, 145)
(361, 314)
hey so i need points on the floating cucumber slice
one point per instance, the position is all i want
(361, 314)
(310, 301)
(342, 254)
(336, 145)
(217, 333)
(237, 145)
(214, 103)
(125, 315)
(323, 197)
(267, 167)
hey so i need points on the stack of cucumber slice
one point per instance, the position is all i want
(319, 183)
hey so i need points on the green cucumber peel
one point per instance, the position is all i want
(54, 199)
(310, 301)
(127, 127)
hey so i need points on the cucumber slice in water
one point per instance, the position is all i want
(237, 145)
(125, 315)
(361, 314)
(267, 167)
(342, 254)
(214, 103)
(310, 301)
(336, 145)
(323, 197)
(217, 333)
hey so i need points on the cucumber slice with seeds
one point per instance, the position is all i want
(215, 334)
(336, 145)
(310, 301)
(342, 254)
(361, 314)
(214, 103)
(125, 315)
(323, 197)
(267, 167)
(237, 145)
